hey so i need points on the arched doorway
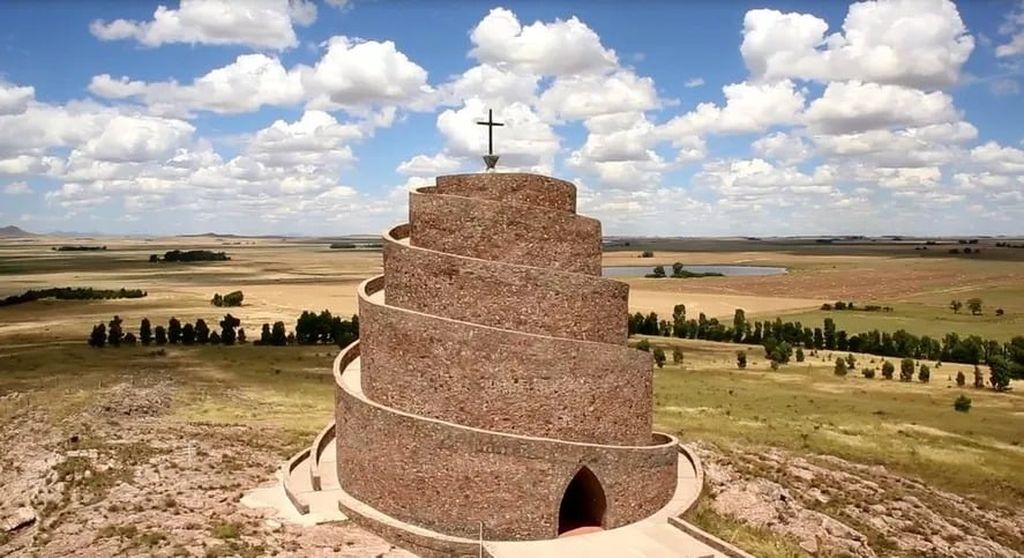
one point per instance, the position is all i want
(583, 504)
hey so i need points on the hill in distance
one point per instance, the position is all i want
(11, 231)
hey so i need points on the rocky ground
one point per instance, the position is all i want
(119, 478)
(115, 475)
(833, 507)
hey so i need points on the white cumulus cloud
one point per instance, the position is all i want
(267, 24)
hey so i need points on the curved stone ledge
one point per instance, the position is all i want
(449, 478)
(323, 438)
(505, 232)
(512, 187)
(517, 297)
(503, 380)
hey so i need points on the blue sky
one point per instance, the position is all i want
(673, 118)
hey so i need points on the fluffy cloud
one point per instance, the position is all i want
(748, 108)
(355, 72)
(138, 138)
(916, 43)
(933, 145)
(999, 159)
(255, 23)
(526, 141)
(584, 96)
(494, 86)
(782, 147)
(756, 182)
(315, 139)
(847, 107)
(17, 189)
(351, 74)
(1014, 27)
(557, 48)
(429, 166)
(247, 84)
(14, 99)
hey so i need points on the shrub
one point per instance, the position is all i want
(906, 370)
(145, 332)
(161, 335)
(234, 298)
(98, 337)
(999, 312)
(647, 254)
(741, 359)
(659, 357)
(924, 374)
(774, 365)
(868, 373)
(799, 354)
(888, 370)
(677, 355)
(979, 380)
(960, 379)
(840, 369)
(962, 404)
(644, 345)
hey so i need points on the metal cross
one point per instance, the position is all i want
(490, 130)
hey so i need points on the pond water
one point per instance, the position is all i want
(727, 270)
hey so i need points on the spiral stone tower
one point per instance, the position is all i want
(491, 394)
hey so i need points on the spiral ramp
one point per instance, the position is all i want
(491, 405)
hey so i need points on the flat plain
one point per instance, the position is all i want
(799, 461)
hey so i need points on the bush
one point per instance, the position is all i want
(647, 254)
(161, 335)
(851, 362)
(960, 379)
(979, 380)
(799, 354)
(924, 374)
(234, 298)
(840, 369)
(868, 373)
(677, 355)
(741, 359)
(98, 337)
(906, 370)
(659, 357)
(644, 345)
(888, 370)
(962, 404)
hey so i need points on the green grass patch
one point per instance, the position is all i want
(911, 428)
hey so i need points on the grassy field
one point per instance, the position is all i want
(910, 428)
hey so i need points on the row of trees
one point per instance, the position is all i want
(310, 328)
(189, 256)
(780, 338)
(78, 248)
(72, 293)
(840, 305)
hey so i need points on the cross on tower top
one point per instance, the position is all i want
(490, 159)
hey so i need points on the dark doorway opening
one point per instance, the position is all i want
(583, 504)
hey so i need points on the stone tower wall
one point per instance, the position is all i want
(494, 366)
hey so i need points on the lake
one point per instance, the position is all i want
(727, 270)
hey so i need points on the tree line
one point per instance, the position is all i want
(189, 256)
(72, 293)
(779, 338)
(78, 248)
(310, 329)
